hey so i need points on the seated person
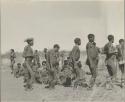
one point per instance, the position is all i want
(42, 73)
(66, 73)
(18, 71)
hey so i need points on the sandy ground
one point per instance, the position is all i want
(12, 91)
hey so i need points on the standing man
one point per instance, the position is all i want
(121, 60)
(53, 65)
(12, 59)
(28, 56)
(92, 58)
(111, 53)
(75, 56)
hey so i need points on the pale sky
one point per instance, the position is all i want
(59, 22)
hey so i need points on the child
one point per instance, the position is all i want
(53, 65)
(92, 59)
(121, 60)
(75, 56)
(111, 52)
(66, 73)
(12, 59)
(18, 71)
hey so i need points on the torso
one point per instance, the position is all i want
(92, 50)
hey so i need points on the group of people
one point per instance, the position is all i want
(71, 72)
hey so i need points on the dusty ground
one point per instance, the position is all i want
(12, 90)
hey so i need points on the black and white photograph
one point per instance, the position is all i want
(62, 51)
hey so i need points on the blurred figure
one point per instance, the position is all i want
(45, 52)
(111, 53)
(75, 56)
(121, 60)
(92, 59)
(66, 74)
(53, 65)
(42, 74)
(12, 59)
(36, 59)
(62, 57)
(81, 81)
(28, 64)
(18, 71)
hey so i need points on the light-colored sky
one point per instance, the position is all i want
(59, 22)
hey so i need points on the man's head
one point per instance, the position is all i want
(77, 41)
(56, 47)
(30, 41)
(36, 51)
(91, 37)
(12, 50)
(111, 38)
(19, 65)
(121, 41)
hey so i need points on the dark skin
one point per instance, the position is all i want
(31, 43)
(19, 66)
(91, 39)
(12, 50)
(78, 43)
(56, 49)
(112, 40)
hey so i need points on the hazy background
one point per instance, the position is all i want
(51, 22)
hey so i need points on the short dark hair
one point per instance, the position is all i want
(76, 40)
(56, 46)
(43, 62)
(110, 37)
(18, 64)
(121, 40)
(91, 35)
(12, 50)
